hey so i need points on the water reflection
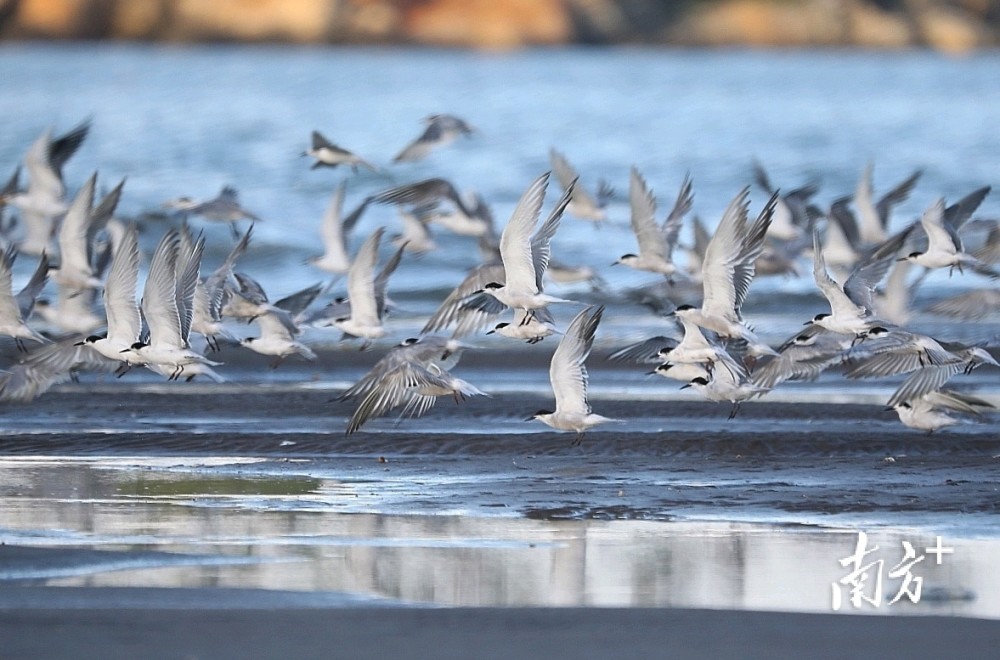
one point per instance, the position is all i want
(449, 560)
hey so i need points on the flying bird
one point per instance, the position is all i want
(327, 154)
(568, 376)
(440, 130)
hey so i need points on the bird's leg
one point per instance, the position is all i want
(736, 409)
(190, 378)
(20, 345)
(277, 362)
(122, 369)
(233, 228)
(528, 318)
(578, 440)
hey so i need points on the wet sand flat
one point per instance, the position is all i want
(668, 459)
(795, 463)
(484, 633)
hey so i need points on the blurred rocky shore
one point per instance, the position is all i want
(946, 25)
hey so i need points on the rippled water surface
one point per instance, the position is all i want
(186, 121)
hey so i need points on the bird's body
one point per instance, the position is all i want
(581, 204)
(656, 243)
(120, 305)
(929, 412)
(727, 270)
(276, 339)
(440, 130)
(13, 316)
(167, 303)
(411, 375)
(569, 378)
(530, 327)
(944, 245)
(525, 255)
(366, 293)
(327, 154)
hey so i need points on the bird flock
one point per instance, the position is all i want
(102, 321)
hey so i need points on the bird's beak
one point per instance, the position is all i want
(888, 409)
(80, 343)
(901, 259)
(809, 322)
(490, 332)
(529, 418)
(685, 386)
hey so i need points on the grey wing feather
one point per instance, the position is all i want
(382, 279)
(956, 215)
(862, 281)
(675, 219)
(644, 352)
(452, 310)
(63, 148)
(970, 305)
(188, 275)
(297, 302)
(895, 196)
(26, 296)
(924, 381)
(541, 242)
(484, 303)
(753, 244)
(50, 365)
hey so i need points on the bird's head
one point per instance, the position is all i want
(683, 310)
(700, 381)
(92, 339)
(663, 368)
(540, 413)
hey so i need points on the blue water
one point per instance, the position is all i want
(188, 120)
